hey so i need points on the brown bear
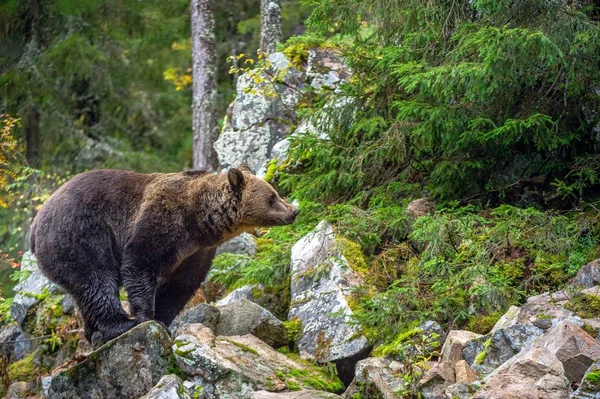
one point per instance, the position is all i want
(154, 234)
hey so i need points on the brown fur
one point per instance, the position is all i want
(155, 234)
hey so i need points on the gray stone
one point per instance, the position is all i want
(15, 343)
(126, 367)
(321, 279)
(421, 207)
(575, 349)
(169, 387)
(237, 366)
(246, 292)
(203, 313)
(456, 340)
(35, 284)
(532, 374)
(326, 68)
(68, 305)
(587, 276)
(460, 390)
(21, 390)
(488, 352)
(590, 384)
(245, 317)
(244, 244)
(376, 377)
(434, 381)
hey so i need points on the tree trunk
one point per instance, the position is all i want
(270, 25)
(205, 127)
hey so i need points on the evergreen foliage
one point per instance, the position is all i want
(460, 99)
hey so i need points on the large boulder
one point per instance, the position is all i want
(244, 317)
(238, 366)
(326, 69)
(322, 278)
(275, 299)
(15, 343)
(452, 351)
(126, 367)
(587, 276)
(434, 381)
(575, 349)
(244, 244)
(29, 291)
(169, 387)
(488, 352)
(261, 114)
(532, 374)
(376, 377)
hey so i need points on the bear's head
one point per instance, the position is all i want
(260, 203)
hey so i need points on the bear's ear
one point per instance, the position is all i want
(245, 168)
(236, 180)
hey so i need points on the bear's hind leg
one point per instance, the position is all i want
(100, 307)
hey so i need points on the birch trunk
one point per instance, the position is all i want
(204, 102)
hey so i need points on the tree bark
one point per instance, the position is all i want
(205, 127)
(270, 25)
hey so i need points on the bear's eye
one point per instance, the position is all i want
(272, 199)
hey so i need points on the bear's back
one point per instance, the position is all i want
(106, 196)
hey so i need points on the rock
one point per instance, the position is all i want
(21, 389)
(248, 292)
(587, 276)
(413, 345)
(321, 278)
(590, 384)
(463, 373)
(434, 381)
(376, 377)
(460, 391)
(532, 374)
(68, 305)
(575, 349)
(325, 68)
(15, 343)
(421, 207)
(126, 367)
(275, 299)
(25, 291)
(303, 394)
(244, 244)
(452, 351)
(488, 352)
(244, 317)
(169, 387)
(261, 115)
(237, 366)
(204, 313)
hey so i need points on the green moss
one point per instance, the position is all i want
(353, 254)
(395, 347)
(483, 354)
(593, 377)
(585, 306)
(174, 368)
(243, 347)
(271, 169)
(590, 330)
(483, 324)
(293, 386)
(25, 369)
